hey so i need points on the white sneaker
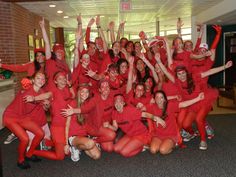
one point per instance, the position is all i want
(203, 145)
(10, 139)
(75, 154)
(188, 137)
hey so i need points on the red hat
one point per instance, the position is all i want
(42, 50)
(59, 73)
(57, 47)
(155, 40)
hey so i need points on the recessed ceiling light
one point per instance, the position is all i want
(59, 11)
(219, 21)
(52, 5)
(102, 16)
(66, 17)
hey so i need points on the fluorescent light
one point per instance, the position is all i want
(52, 5)
(66, 17)
(59, 11)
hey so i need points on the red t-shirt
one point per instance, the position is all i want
(18, 109)
(130, 121)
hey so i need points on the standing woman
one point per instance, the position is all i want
(18, 117)
(56, 63)
(62, 95)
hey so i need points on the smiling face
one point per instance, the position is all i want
(85, 60)
(83, 93)
(137, 47)
(60, 81)
(104, 89)
(39, 80)
(139, 91)
(123, 68)
(40, 57)
(160, 99)
(60, 54)
(148, 84)
(188, 46)
(119, 103)
(178, 43)
(140, 66)
(91, 49)
(182, 75)
(99, 43)
(116, 48)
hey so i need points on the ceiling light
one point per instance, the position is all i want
(59, 11)
(219, 21)
(52, 5)
(66, 17)
(102, 16)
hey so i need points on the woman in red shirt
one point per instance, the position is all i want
(21, 115)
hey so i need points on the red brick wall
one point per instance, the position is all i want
(16, 23)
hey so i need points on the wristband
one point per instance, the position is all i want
(98, 26)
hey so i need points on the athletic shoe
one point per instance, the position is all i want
(43, 146)
(98, 146)
(10, 139)
(209, 131)
(145, 147)
(203, 145)
(23, 165)
(188, 137)
(75, 154)
(184, 133)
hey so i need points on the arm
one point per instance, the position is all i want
(169, 55)
(187, 103)
(130, 75)
(155, 76)
(88, 30)
(43, 96)
(179, 25)
(217, 69)
(114, 125)
(216, 41)
(199, 39)
(104, 42)
(112, 33)
(164, 70)
(16, 67)
(67, 127)
(78, 36)
(200, 56)
(79, 20)
(120, 31)
(157, 119)
(46, 39)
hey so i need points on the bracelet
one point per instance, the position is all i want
(70, 86)
(79, 24)
(98, 26)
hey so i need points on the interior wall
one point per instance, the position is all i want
(217, 79)
(16, 23)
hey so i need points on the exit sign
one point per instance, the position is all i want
(125, 5)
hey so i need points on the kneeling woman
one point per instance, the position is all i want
(20, 116)
(128, 119)
(164, 139)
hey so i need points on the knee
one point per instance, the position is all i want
(96, 156)
(89, 144)
(107, 148)
(111, 136)
(60, 156)
(164, 150)
(40, 134)
(153, 150)
(116, 149)
(24, 139)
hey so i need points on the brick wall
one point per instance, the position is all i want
(16, 23)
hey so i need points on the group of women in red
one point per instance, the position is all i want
(145, 91)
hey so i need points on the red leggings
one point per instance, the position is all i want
(58, 138)
(128, 146)
(200, 118)
(105, 137)
(19, 127)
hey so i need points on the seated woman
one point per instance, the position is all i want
(76, 133)
(128, 119)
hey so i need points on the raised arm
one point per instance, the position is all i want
(100, 31)
(217, 69)
(163, 68)
(88, 30)
(151, 67)
(120, 31)
(218, 30)
(16, 67)
(46, 39)
(78, 37)
(169, 55)
(179, 26)
(130, 75)
(79, 21)
(199, 39)
(111, 27)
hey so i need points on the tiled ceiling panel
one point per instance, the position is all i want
(142, 16)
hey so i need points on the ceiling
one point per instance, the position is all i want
(142, 15)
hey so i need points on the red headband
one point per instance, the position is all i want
(58, 47)
(59, 74)
(41, 50)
